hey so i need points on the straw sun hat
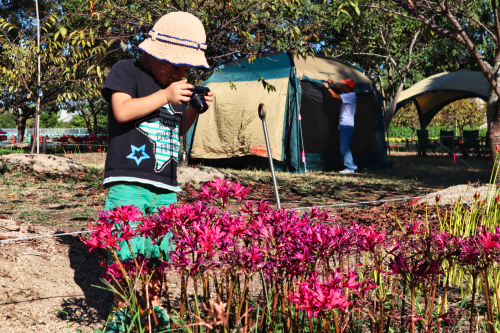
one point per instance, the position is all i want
(178, 38)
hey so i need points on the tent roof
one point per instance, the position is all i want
(275, 66)
(323, 68)
(437, 91)
(280, 65)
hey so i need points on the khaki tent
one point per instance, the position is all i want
(437, 91)
(230, 133)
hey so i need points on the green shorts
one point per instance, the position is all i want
(147, 199)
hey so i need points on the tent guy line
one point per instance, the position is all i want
(297, 208)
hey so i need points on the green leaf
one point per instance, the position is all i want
(343, 11)
(63, 31)
(11, 89)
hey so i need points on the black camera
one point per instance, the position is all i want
(197, 101)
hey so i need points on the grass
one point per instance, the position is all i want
(34, 216)
(69, 201)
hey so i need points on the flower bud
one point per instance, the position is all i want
(438, 197)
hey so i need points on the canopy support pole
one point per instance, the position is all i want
(262, 116)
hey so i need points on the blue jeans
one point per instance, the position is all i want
(345, 146)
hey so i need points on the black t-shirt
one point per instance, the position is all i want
(144, 150)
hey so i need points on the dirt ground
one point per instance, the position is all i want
(47, 285)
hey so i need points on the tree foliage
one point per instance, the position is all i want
(63, 55)
(474, 25)
(398, 51)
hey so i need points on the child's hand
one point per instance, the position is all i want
(209, 98)
(178, 92)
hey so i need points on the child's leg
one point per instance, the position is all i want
(160, 198)
(155, 289)
(119, 302)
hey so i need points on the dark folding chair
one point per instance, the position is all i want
(423, 143)
(446, 138)
(470, 142)
(484, 149)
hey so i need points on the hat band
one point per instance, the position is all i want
(182, 42)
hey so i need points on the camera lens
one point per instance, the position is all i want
(197, 101)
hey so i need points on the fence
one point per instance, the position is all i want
(50, 131)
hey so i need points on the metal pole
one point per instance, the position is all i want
(262, 116)
(303, 148)
(184, 150)
(37, 117)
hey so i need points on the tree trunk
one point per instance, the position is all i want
(493, 118)
(21, 127)
(95, 123)
(88, 123)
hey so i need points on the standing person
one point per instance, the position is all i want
(346, 123)
(146, 100)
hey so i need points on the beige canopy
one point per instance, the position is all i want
(437, 91)
(322, 68)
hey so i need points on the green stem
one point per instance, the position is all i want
(197, 316)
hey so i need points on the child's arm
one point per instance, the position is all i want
(125, 108)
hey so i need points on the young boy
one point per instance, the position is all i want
(146, 100)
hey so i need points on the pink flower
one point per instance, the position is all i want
(370, 239)
(487, 240)
(240, 191)
(315, 296)
(125, 214)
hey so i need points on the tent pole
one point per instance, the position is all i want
(303, 148)
(184, 161)
(262, 116)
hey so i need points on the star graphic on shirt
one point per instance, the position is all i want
(143, 155)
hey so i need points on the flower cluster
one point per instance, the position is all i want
(113, 227)
(221, 191)
(326, 266)
(315, 296)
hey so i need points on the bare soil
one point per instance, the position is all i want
(48, 284)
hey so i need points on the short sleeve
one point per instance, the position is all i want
(121, 78)
(349, 98)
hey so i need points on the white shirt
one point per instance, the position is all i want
(347, 109)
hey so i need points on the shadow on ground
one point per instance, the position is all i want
(97, 302)
(435, 171)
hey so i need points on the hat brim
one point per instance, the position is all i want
(177, 55)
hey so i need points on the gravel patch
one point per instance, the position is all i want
(40, 163)
(453, 194)
(201, 174)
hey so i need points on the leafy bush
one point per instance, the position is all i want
(406, 132)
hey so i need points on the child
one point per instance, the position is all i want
(146, 98)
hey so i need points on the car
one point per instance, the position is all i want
(3, 135)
